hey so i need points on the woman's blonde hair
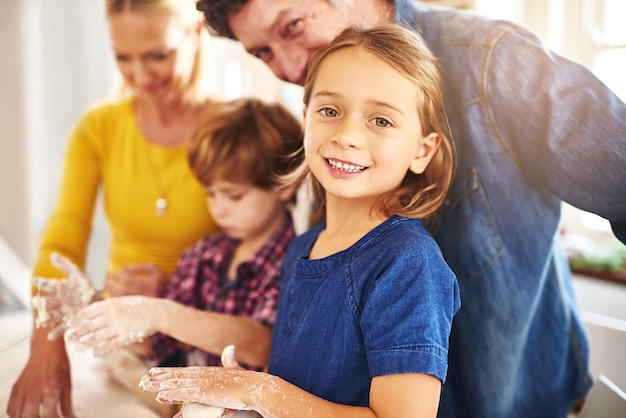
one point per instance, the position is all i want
(198, 88)
(246, 141)
(419, 195)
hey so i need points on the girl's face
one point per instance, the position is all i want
(362, 130)
(246, 212)
(155, 53)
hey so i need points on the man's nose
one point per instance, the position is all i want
(290, 65)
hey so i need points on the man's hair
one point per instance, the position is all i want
(246, 140)
(217, 12)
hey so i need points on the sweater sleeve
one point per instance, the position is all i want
(69, 227)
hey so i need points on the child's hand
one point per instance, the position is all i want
(112, 323)
(198, 410)
(138, 279)
(197, 388)
(57, 299)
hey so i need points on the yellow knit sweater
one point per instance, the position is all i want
(107, 152)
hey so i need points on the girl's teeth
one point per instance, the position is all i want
(345, 166)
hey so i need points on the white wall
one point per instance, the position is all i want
(54, 63)
(14, 225)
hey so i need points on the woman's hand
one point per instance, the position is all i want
(44, 388)
(138, 279)
(113, 323)
(57, 299)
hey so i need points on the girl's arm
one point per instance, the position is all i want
(405, 395)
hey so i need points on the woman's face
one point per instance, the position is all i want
(155, 53)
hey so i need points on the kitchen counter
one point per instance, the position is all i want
(94, 394)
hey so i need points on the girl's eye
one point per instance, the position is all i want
(329, 112)
(381, 122)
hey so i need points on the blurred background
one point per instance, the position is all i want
(56, 59)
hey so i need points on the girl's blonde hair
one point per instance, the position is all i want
(246, 141)
(419, 195)
(198, 89)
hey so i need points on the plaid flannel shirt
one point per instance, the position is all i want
(200, 281)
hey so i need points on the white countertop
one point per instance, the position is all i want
(94, 394)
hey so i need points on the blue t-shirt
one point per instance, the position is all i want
(383, 306)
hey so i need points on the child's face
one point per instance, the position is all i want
(245, 212)
(362, 130)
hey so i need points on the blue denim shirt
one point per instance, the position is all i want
(531, 129)
(382, 306)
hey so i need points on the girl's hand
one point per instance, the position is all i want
(218, 386)
(159, 379)
(198, 410)
(113, 323)
(139, 279)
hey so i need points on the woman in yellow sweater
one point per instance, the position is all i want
(134, 151)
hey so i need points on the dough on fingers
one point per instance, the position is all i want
(198, 410)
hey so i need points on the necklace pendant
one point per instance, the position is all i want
(161, 206)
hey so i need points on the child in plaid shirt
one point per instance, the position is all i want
(225, 288)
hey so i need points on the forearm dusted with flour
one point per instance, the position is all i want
(116, 322)
(212, 332)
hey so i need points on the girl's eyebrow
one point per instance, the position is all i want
(330, 94)
(325, 93)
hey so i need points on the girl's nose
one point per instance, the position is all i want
(348, 134)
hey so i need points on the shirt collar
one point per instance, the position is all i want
(404, 14)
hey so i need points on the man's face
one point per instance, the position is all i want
(286, 33)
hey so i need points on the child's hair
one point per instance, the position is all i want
(248, 141)
(418, 196)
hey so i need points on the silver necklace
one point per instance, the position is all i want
(161, 203)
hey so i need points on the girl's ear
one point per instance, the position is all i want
(425, 153)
